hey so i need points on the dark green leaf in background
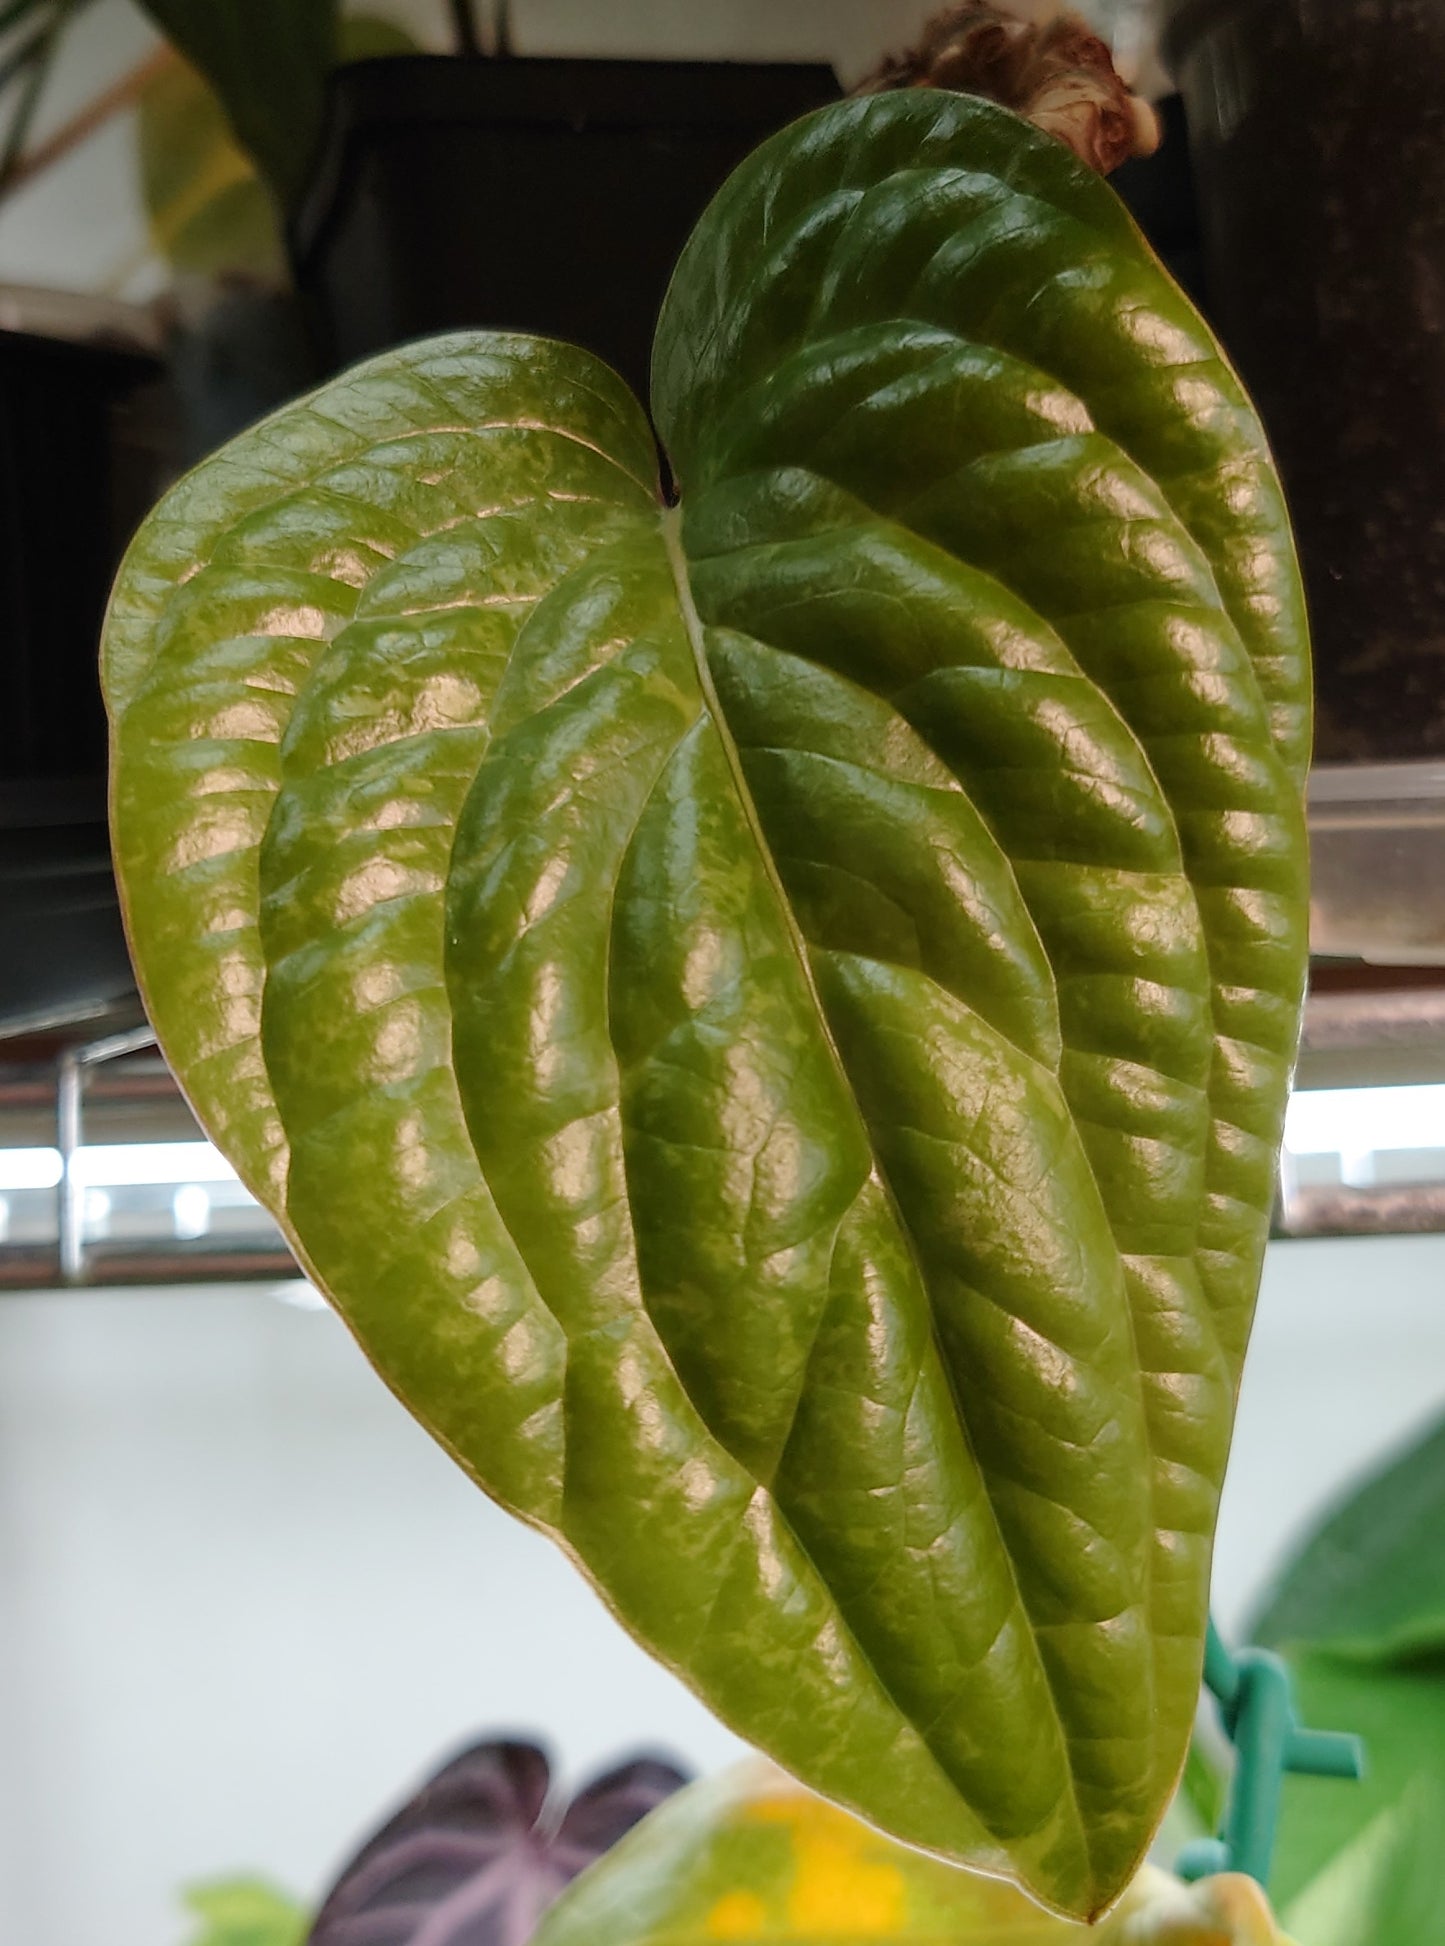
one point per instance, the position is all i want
(1386, 1887)
(1360, 1613)
(208, 210)
(1370, 1580)
(772, 1017)
(1203, 1789)
(1400, 1713)
(268, 61)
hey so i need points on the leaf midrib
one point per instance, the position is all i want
(671, 527)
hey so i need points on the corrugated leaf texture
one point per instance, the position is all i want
(771, 1014)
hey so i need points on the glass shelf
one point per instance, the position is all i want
(1377, 844)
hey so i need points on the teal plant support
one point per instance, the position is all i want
(1256, 1706)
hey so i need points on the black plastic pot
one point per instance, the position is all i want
(1318, 145)
(73, 484)
(541, 195)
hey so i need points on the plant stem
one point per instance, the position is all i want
(15, 11)
(464, 22)
(86, 121)
(18, 61)
(39, 53)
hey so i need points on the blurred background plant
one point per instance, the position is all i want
(243, 1912)
(31, 32)
(477, 1858)
(228, 114)
(1358, 1612)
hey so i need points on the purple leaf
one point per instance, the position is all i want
(482, 1850)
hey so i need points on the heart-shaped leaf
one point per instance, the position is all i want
(771, 1016)
(752, 1858)
(480, 1853)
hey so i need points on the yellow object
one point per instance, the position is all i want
(754, 1859)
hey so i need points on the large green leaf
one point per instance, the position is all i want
(751, 1858)
(771, 1017)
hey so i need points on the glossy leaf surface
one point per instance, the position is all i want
(772, 1017)
(752, 1858)
(481, 1851)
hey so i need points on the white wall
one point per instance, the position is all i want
(1347, 1362)
(243, 1600)
(80, 226)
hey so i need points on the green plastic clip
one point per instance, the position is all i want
(1256, 1706)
